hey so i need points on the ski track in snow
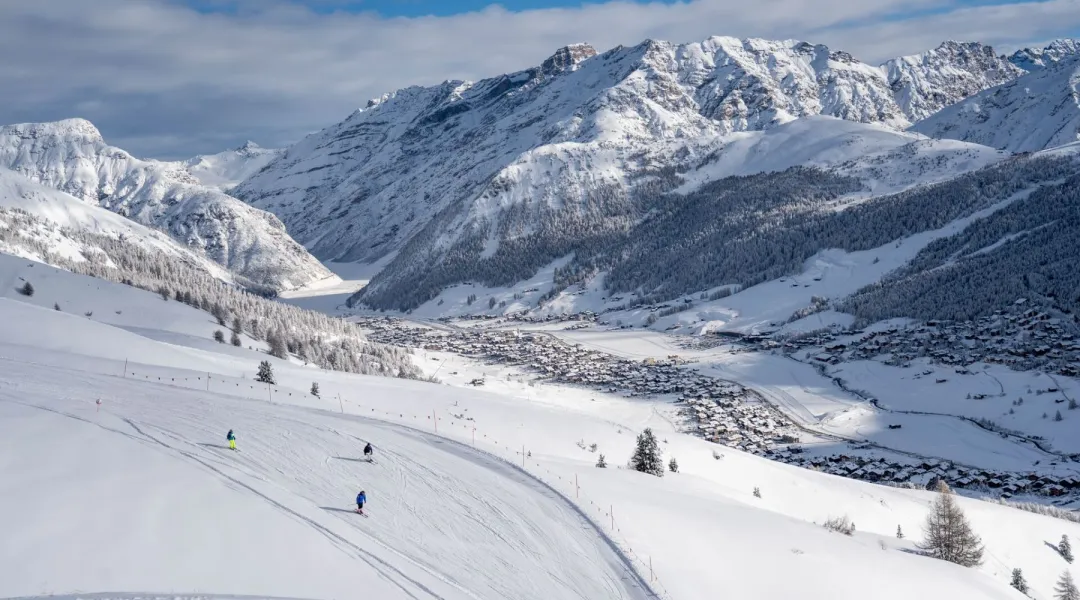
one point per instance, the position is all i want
(292, 468)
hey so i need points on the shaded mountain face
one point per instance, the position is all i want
(1037, 111)
(490, 180)
(72, 157)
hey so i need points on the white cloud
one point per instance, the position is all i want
(162, 79)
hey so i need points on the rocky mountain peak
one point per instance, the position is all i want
(566, 58)
(1034, 59)
(67, 129)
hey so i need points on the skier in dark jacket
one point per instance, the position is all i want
(368, 451)
(232, 440)
(361, 498)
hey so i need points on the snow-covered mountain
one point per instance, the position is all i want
(1037, 111)
(925, 83)
(72, 156)
(226, 169)
(40, 222)
(1034, 59)
(452, 173)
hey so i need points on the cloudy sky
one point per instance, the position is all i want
(174, 78)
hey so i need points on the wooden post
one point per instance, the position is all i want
(435, 420)
(523, 456)
(474, 437)
(612, 513)
(125, 368)
(577, 488)
(208, 382)
(269, 393)
(340, 404)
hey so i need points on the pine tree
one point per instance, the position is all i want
(646, 456)
(237, 325)
(673, 465)
(266, 373)
(56, 306)
(757, 492)
(601, 462)
(1065, 549)
(1018, 581)
(899, 533)
(1066, 588)
(27, 289)
(277, 345)
(315, 389)
(219, 336)
(1072, 404)
(235, 339)
(948, 533)
(1058, 417)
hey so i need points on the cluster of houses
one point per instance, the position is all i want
(1021, 339)
(1005, 484)
(720, 411)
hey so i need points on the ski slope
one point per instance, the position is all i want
(139, 496)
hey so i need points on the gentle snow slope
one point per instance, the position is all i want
(443, 517)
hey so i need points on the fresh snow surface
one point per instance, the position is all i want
(227, 169)
(1037, 111)
(71, 156)
(886, 159)
(139, 495)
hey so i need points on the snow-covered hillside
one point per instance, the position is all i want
(71, 156)
(1037, 111)
(455, 174)
(226, 169)
(884, 159)
(39, 220)
(140, 495)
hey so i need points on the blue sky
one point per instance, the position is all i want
(173, 78)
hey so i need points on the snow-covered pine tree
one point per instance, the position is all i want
(1065, 548)
(27, 289)
(948, 534)
(237, 325)
(315, 389)
(1058, 417)
(277, 344)
(1066, 588)
(757, 492)
(235, 340)
(899, 533)
(646, 456)
(673, 465)
(219, 336)
(601, 462)
(266, 373)
(1019, 582)
(56, 306)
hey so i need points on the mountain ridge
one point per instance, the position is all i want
(73, 157)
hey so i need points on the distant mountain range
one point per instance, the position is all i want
(632, 171)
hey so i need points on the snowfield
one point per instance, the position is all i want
(139, 495)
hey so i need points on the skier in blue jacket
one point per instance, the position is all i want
(361, 498)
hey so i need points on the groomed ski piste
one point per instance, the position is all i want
(472, 494)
